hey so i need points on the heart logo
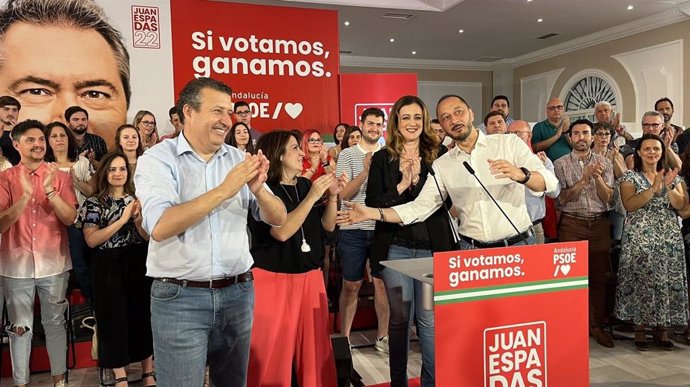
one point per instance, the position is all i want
(293, 109)
(565, 269)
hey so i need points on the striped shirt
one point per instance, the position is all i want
(351, 163)
(569, 169)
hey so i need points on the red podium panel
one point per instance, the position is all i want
(512, 317)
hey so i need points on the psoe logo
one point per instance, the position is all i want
(146, 31)
(515, 355)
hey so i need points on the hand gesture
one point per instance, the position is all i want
(406, 169)
(128, 211)
(502, 169)
(49, 177)
(588, 171)
(240, 175)
(338, 185)
(542, 156)
(256, 184)
(597, 169)
(564, 127)
(670, 176)
(352, 213)
(323, 157)
(320, 185)
(26, 185)
(367, 161)
(617, 124)
(667, 136)
(136, 211)
(658, 182)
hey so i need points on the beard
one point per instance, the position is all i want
(81, 129)
(462, 136)
(667, 118)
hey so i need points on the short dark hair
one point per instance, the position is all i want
(190, 94)
(72, 150)
(372, 111)
(173, 110)
(346, 137)
(435, 121)
(25, 125)
(491, 114)
(503, 97)
(75, 109)
(272, 145)
(7, 100)
(665, 99)
(581, 121)
(240, 104)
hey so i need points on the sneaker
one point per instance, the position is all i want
(61, 383)
(382, 344)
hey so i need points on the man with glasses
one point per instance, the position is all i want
(653, 122)
(550, 135)
(243, 114)
(604, 113)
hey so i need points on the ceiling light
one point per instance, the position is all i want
(630, 8)
(461, 31)
(347, 23)
(540, 20)
(391, 40)
(529, 1)
(414, 52)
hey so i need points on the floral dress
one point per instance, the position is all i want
(652, 282)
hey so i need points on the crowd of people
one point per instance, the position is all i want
(204, 249)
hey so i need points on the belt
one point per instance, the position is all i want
(536, 222)
(499, 243)
(585, 216)
(212, 284)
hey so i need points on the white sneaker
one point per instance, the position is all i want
(382, 344)
(61, 383)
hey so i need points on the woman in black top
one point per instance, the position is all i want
(290, 308)
(112, 227)
(396, 176)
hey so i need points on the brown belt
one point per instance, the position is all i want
(212, 284)
(585, 216)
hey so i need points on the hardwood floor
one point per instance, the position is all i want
(622, 366)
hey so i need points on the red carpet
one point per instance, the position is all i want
(411, 383)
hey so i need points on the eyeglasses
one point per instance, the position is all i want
(655, 125)
(148, 123)
(242, 113)
(602, 134)
(315, 140)
(554, 108)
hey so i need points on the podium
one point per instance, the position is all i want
(514, 316)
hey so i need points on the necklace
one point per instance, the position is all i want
(305, 246)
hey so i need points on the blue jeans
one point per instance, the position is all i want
(79, 252)
(193, 326)
(405, 297)
(20, 294)
(354, 250)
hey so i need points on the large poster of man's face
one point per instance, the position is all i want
(60, 53)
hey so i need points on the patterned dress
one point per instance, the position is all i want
(652, 282)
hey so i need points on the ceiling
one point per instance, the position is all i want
(493, 29)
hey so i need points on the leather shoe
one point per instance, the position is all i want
(602, 338)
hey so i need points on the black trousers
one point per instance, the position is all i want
(122, 305)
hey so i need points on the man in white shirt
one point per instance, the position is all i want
(505, 165)
(354, 239)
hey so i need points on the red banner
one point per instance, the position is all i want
(282, 61)
(513, 316)
(359, 92)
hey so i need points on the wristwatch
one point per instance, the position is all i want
(527, 173)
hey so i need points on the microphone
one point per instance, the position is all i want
(450, 218)
(471, 171)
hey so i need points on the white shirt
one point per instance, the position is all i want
(480, 219)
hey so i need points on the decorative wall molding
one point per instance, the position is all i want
(403, 63)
